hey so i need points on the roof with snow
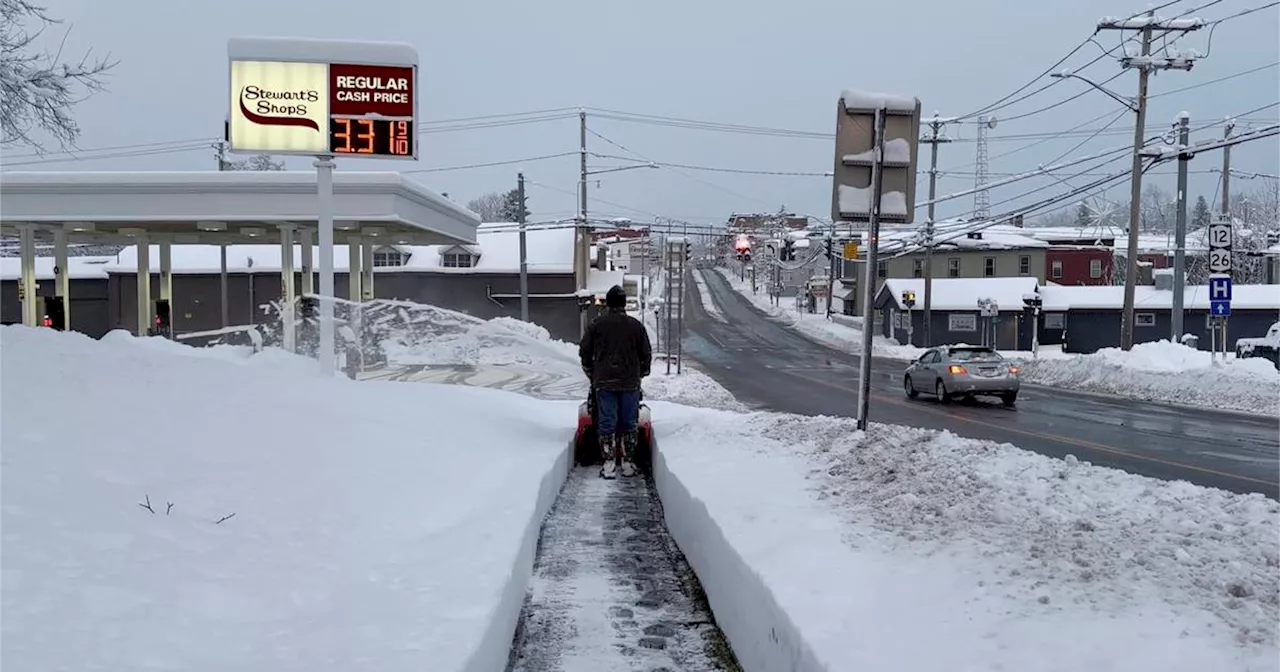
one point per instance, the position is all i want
(78, 268)
(959, 293)
(214, 207)
(498, 246)
(1195, 297)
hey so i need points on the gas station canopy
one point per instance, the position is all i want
(227, 207)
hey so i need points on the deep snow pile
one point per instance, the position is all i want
(1000, 558)
(296, 522)
(841, 332)
(1166, 372)
(412, 334)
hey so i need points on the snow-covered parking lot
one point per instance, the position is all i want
(1159, 371)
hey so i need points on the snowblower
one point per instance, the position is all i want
(586, 444)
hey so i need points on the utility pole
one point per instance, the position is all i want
(1226, 170)
(1145, 64)
(220, 149)
(524, 250)
(582, 245)
(1180, 233)
(934, 138)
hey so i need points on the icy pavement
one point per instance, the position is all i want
(610, 590)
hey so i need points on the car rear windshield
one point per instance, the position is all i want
(975, 355)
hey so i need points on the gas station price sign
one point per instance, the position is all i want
(339, 109)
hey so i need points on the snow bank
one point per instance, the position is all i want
(868, 544)
(1166, 372)
(708, 304)
(316, 524)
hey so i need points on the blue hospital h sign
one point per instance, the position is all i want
(1220, 289)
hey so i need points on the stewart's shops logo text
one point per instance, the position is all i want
(278, 108)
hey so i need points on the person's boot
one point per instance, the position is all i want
(609, 464)
(628, 442)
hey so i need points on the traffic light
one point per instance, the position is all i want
(54, 316)
(830, 248)
(852, 197)
(788, 250)
(908, 298)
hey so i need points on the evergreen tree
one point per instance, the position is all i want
(1200, 217)
(1084, 216)
(511, 206)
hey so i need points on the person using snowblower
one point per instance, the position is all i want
(616, 353)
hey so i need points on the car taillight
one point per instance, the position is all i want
(956, 370)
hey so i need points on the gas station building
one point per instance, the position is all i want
(228, 208)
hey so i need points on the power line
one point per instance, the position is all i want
(491, 163)
(741, 171)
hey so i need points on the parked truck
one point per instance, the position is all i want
(1267, 346)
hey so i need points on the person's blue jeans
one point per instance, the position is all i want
(619, 411)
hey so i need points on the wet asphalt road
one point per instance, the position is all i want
(772, 367)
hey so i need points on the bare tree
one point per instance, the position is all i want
(37, 88)
(489, 206)
(255, 162)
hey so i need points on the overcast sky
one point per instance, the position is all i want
(749, 62)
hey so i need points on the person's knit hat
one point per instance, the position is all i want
(616, 297)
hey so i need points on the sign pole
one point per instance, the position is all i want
(324, 221)
(868, 290)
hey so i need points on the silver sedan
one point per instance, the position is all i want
(962, 371)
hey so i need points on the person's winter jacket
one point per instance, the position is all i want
(615, 351)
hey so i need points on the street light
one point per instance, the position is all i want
(621, 168)
(1138, 107)
(1123, 100)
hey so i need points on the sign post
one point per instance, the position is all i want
(323, 99)
(1221, 241)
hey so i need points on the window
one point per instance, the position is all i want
(953, 267)
(1057, 269)
(1055, 321)
(989, 267)
(1095, 268)
(457, 260)
(1024, 265)
(962, 322)
(389, 258)
(1145, 319)
(882, 269)
(917, 268)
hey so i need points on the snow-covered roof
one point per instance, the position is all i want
(994, 238)
(1195, 297)
(962, 293)
(190, 204)
(547, 251)
(321, 51)
(78, 268)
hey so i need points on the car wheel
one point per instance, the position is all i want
(909, 387)
(1009, 398)
(940, 391)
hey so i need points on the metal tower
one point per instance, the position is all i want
(982, 198)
